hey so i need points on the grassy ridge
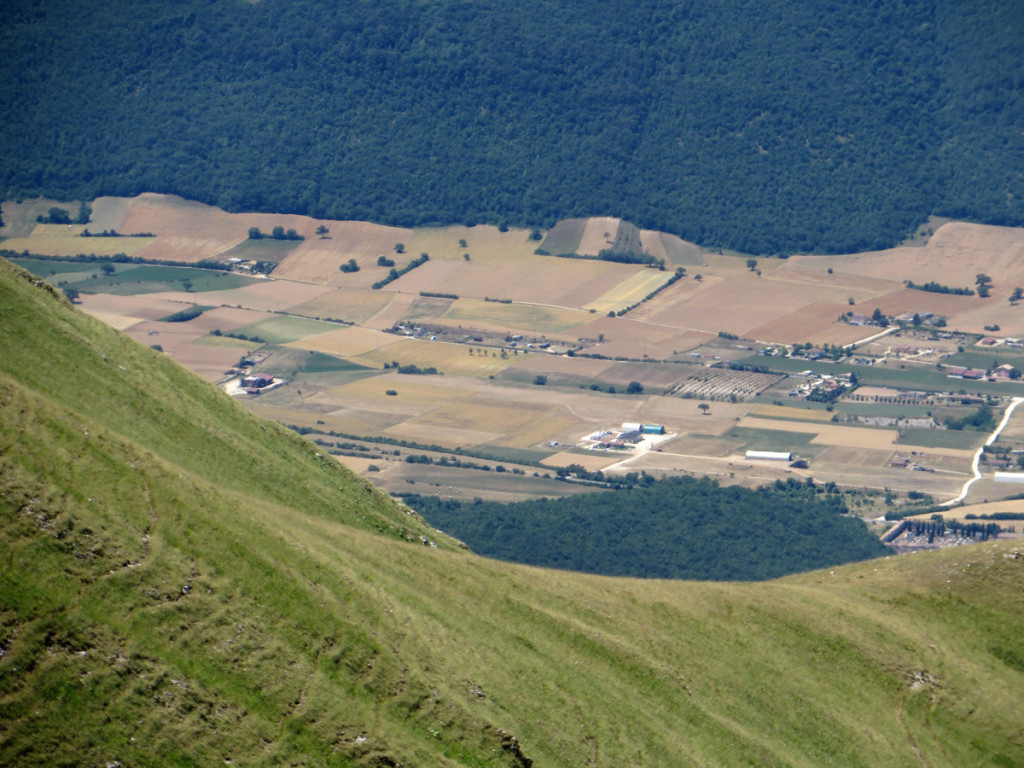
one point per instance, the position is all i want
(183, 584)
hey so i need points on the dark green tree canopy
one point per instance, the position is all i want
(677, 528)
(824, 125)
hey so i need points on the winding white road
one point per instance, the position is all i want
(977, 456)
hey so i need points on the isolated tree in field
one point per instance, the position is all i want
(984, 283)
(322, 231)
(1017, 295)
(698, 277)
(71, 293)
(704, 408)
(540, 380)
(349, 266)
(635, 388)
(751, 264)
(399, 247)
(107, 269)
(462, 243)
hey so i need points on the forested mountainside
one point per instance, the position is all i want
(825, 125)
(185, 584)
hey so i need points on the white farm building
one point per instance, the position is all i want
(769, 456)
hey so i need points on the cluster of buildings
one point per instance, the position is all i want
(625, 438)
(827, 384)
(1005, 372)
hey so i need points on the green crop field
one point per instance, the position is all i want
(775, 440)
(147, 278)
(264, 249)
(288, 360)
(186, 584)
(564, 237)
(942, 438)
(884, 409)
(285, 328)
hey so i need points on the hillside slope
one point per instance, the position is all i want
(183, 584)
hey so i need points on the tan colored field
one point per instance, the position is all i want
(592, 462)
(830, 434)
(958, 454)
(392, 313)
(484, 244)
(629, 337)
(64, 240)
(838, 457)
(449, 437)
(674, 250)
(266, 295)
(350, 305)
(991, 508)
(358, 464)
(127, 310)
(745, 303)
(630, 291)
(576, 366)
(540, 431)
(599, 233)
(484, 416)
(567, 283)
(452, 359)
(347, 342)
(814, 323)
(524, 318)
(317, 259)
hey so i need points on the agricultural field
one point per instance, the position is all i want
(496, 399)
(630, 291)
(524, 318)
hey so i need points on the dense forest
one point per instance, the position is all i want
(825, 125)
(681, 528)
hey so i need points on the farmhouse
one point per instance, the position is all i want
(257, 381)
(769, 456)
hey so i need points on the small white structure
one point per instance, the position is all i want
(631, 426)
(769, 455)
(1010, 477)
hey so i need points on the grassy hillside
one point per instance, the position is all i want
(183, 584)
(820, 125)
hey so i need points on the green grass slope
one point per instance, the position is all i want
(183, 584)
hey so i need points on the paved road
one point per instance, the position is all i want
(977, 456)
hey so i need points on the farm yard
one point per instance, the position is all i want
(339, 343)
